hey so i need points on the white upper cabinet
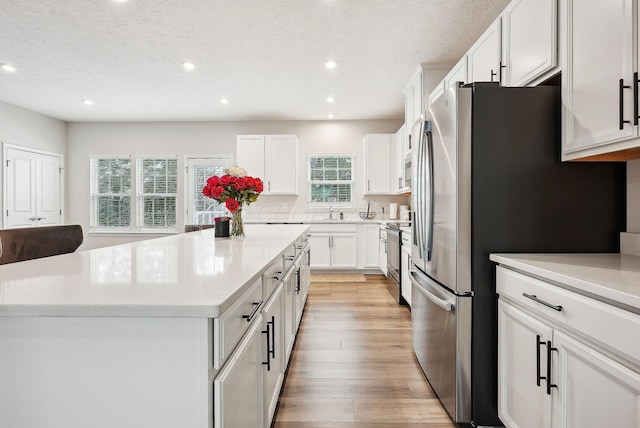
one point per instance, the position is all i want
(598, 63)
(272, 158)
(398, 179)
(377, 163)
(484, 56)
(529, 41)
(458, 74)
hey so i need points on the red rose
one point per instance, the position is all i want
(216, 191)
(240, 184)
(225, 180)
(206, 190)
(258, 185)
(250, 181)
(213, 181)
(232, 204)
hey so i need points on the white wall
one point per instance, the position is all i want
(208, 138)
(28, 129)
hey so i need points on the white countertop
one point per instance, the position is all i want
(185, 275)
(609, 277)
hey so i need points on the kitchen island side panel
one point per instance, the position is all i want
(105, 372)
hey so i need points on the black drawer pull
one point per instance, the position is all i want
(253, 313)
(538, 343)
(548, 305)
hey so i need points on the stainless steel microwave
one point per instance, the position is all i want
(407, 171)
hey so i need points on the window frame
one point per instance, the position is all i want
(190, 186)
(310, 182)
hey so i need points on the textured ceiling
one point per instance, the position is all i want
(266, 56)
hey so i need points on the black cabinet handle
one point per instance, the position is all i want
(549, 305)
(621, 88)
(298, 281)
(549, 384)
(538, 343)
(493, 74)
(268, 333)
(253, 313)
(635, 98)
(272, 351)
(501, 67)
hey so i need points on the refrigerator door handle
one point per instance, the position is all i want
(442, 304)
(419, 217)
(429, 241)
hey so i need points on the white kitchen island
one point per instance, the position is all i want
(141, 334)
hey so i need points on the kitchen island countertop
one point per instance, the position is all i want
(613, 278)
(185, 275)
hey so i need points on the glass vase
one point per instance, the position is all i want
(237, 224)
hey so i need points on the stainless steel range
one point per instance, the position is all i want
(394, 247)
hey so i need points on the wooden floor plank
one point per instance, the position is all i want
(353, 364)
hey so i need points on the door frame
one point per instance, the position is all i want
(5, 148)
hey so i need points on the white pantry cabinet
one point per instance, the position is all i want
(529, 41)
(598, 82)
(272, 158)
(564, 359)
(484, 57)
(377, 163)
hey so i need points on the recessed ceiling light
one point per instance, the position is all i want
(330, 116)
(331, 64)
(330, 99)
(224, 100)
(188, 65)
(87, 102)
(8, 68)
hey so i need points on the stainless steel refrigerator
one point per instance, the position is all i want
(487, 177)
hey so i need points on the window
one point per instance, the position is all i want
(111, 193)
(157, 193)
(330, 179)
(153, 181)
(203, 210)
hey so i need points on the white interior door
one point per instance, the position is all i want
(33, 188)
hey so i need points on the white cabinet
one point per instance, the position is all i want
(457, 74)
(238, 388)
(484, 57)
(272, 158)
(598, 63)
(333, 246)
(565, 360)
(274, 352)
(529, 41)
(369, 244)
(523, 401)
(33, 188)
(377, 163)
(289, 287)
(399, 181)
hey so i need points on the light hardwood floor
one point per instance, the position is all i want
(353, 365)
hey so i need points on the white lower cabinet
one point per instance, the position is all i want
(563, 358)
(274, 356)
(238, 394)
(405, 267)
(369, 244)
(334, 246)
(383, 249)
(247, 388)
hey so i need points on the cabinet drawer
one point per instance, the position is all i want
(351, 227)
(272, 277)
(612, 327)
(229, 328)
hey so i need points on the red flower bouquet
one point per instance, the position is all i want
(234, 189)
